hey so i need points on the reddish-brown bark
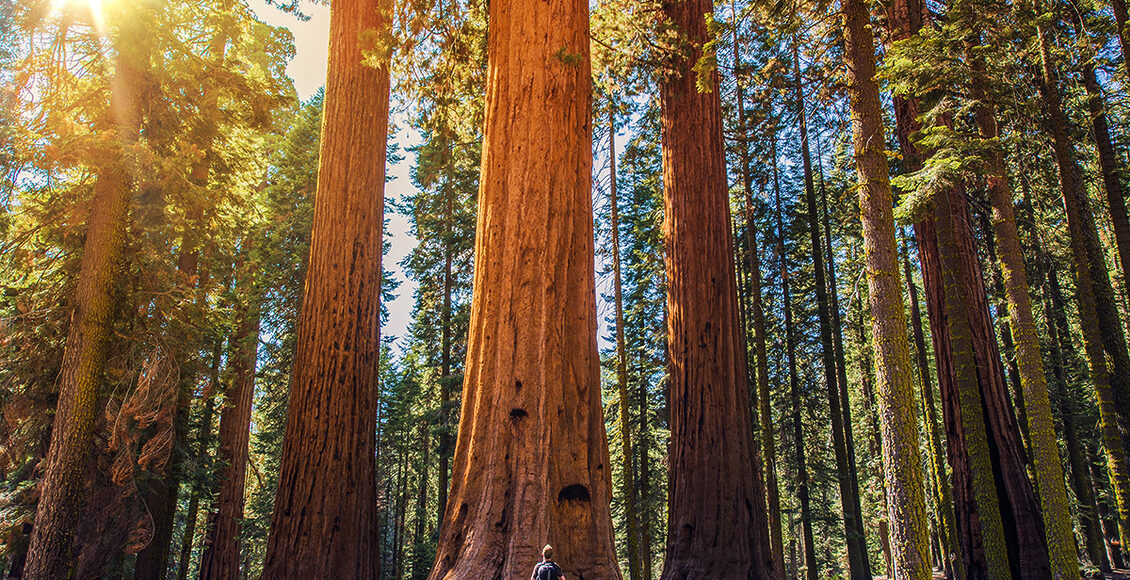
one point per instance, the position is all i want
(531, 459)
(221, 559)
(716, 517)
(324, 522)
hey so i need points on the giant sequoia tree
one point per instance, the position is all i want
(716, 519)
(324, 523)
(531, 460)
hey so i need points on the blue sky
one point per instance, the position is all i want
(308, 69)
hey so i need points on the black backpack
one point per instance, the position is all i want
(548, 571)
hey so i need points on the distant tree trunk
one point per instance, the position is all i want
(203, 450)
(1120, 19)
(943, 491)
(859, 565)
(1080, 473)
(838, 339)
(324, 523)
(1046, 462)
(645, 482)
(531, 460)
(717, 517)
(812, 570)
(1108, 163)
(906, 502)
(1111, 399)
(757, 313)
(631, 513)
(62, 493)
(445, 351)
(221, 559)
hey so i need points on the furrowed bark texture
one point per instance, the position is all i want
(902, 466)
(62, 491)
(966, 383)
(531, 461)
(717, 519)
(1047, 465)
(324, 522)
(221, 560)
(1111, 401)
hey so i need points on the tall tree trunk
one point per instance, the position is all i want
(62, 494)
(757, 313)
(1046, 462)
(968, 386)
(445, 348)
(531, 459)
(943, 491)
(324, 522)
(1111, 401)
(716, 520)
(1108, 163)
(855, 537)
(812, 570)
(631, 514)
(221, 559)
(906, 505)
(837, 338)
(644, 482)
(1080, 473)
(203, 457)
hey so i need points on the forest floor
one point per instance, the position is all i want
(1115, 575)
(939, 576)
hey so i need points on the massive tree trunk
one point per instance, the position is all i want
(1112, 401)
(531, 460)
(902, 464)
(716, 520)
(812, 570)
(859, 566)
(1046, 463)
(62, 492)
(631, 514)
(221, 560)
(324, 522)
(756, 311)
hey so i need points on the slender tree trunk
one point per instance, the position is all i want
(906, 505)
(812, 570)
(1108, 162)
(324, 522)
(757, 313)
(631, 513)
(717, 517)
(838, 340)
(62, 494)
(1046, 462)
(951, 556)
(531, 460)
(203, 457)
(645, 482)
(1080, 473)
(858, 564)
(1111, 402)
(221, 559)
(1120, 18)
(445, 350)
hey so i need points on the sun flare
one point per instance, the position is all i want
(92, 7)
